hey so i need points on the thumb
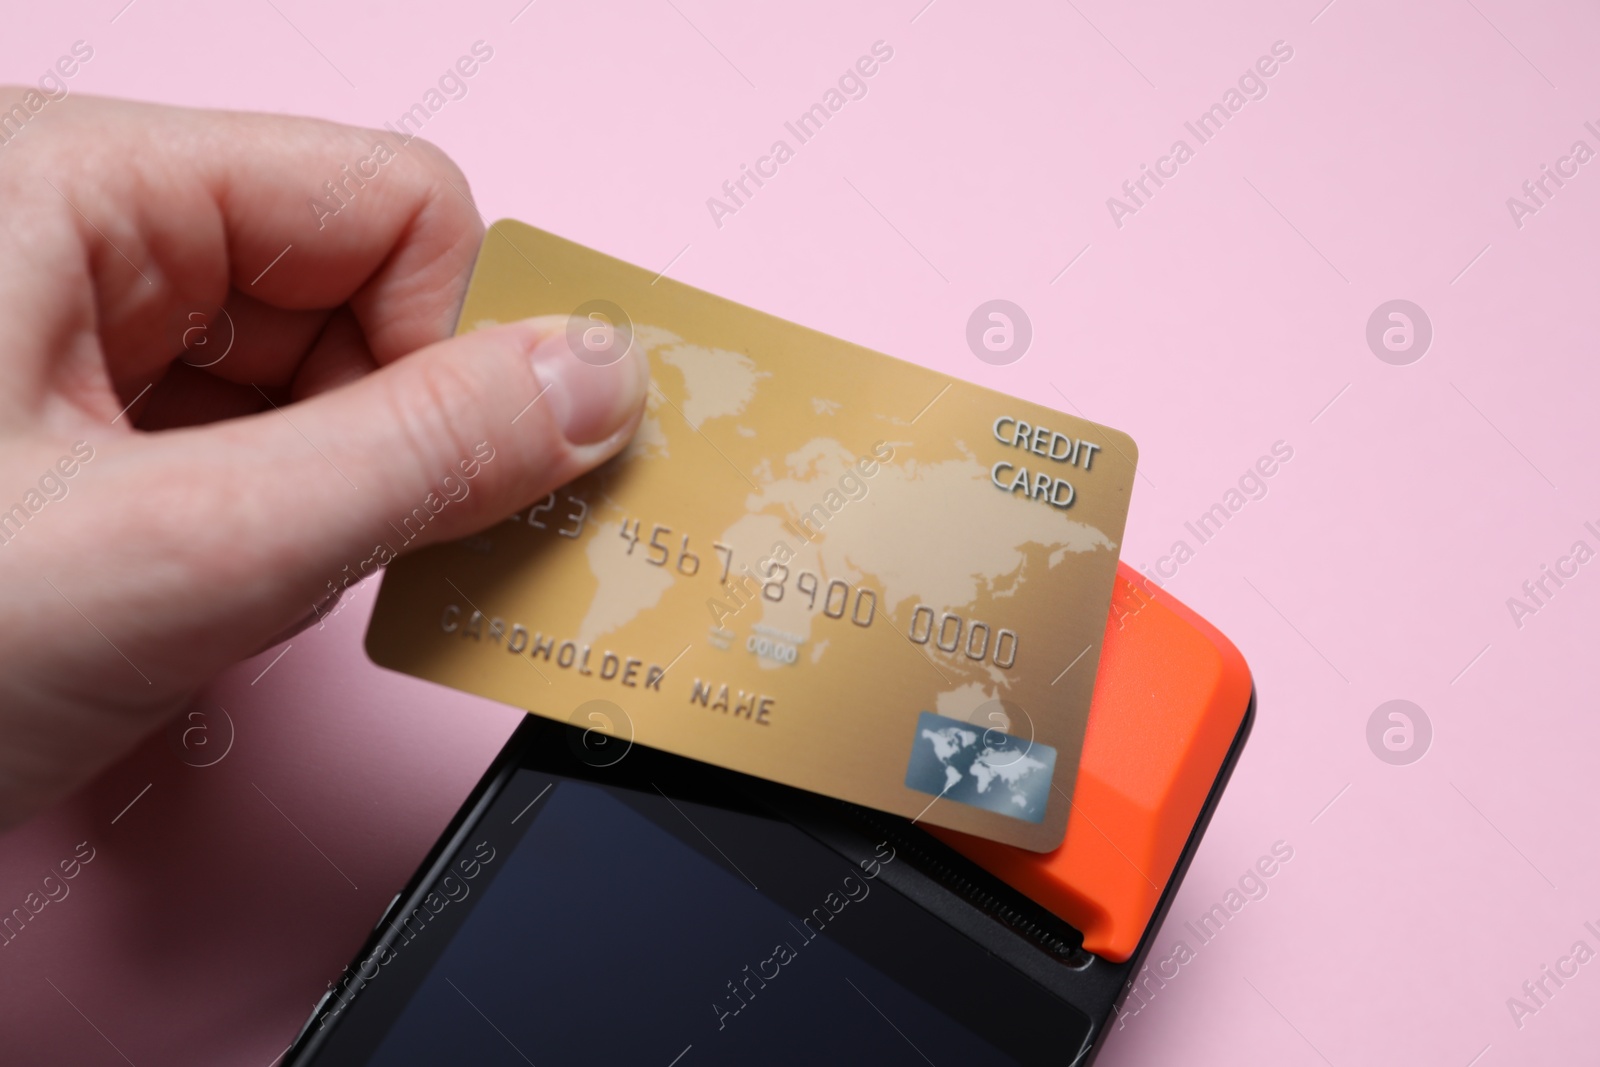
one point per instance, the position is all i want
(434, 446)
(482, 424)
(179, 552)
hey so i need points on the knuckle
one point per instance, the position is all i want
(436, 158)
(437, 164)
(439, 411)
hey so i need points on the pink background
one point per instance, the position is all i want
(1224, 316)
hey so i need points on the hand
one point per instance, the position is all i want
(159, 521)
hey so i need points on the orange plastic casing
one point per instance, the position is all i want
(1169, 699)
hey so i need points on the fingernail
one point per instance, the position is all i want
(588, 402)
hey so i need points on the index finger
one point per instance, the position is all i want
(124, 215)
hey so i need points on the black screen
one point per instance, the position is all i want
(589, 920)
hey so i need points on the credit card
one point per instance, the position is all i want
(814, 563)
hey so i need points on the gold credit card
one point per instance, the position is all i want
(814, 563)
